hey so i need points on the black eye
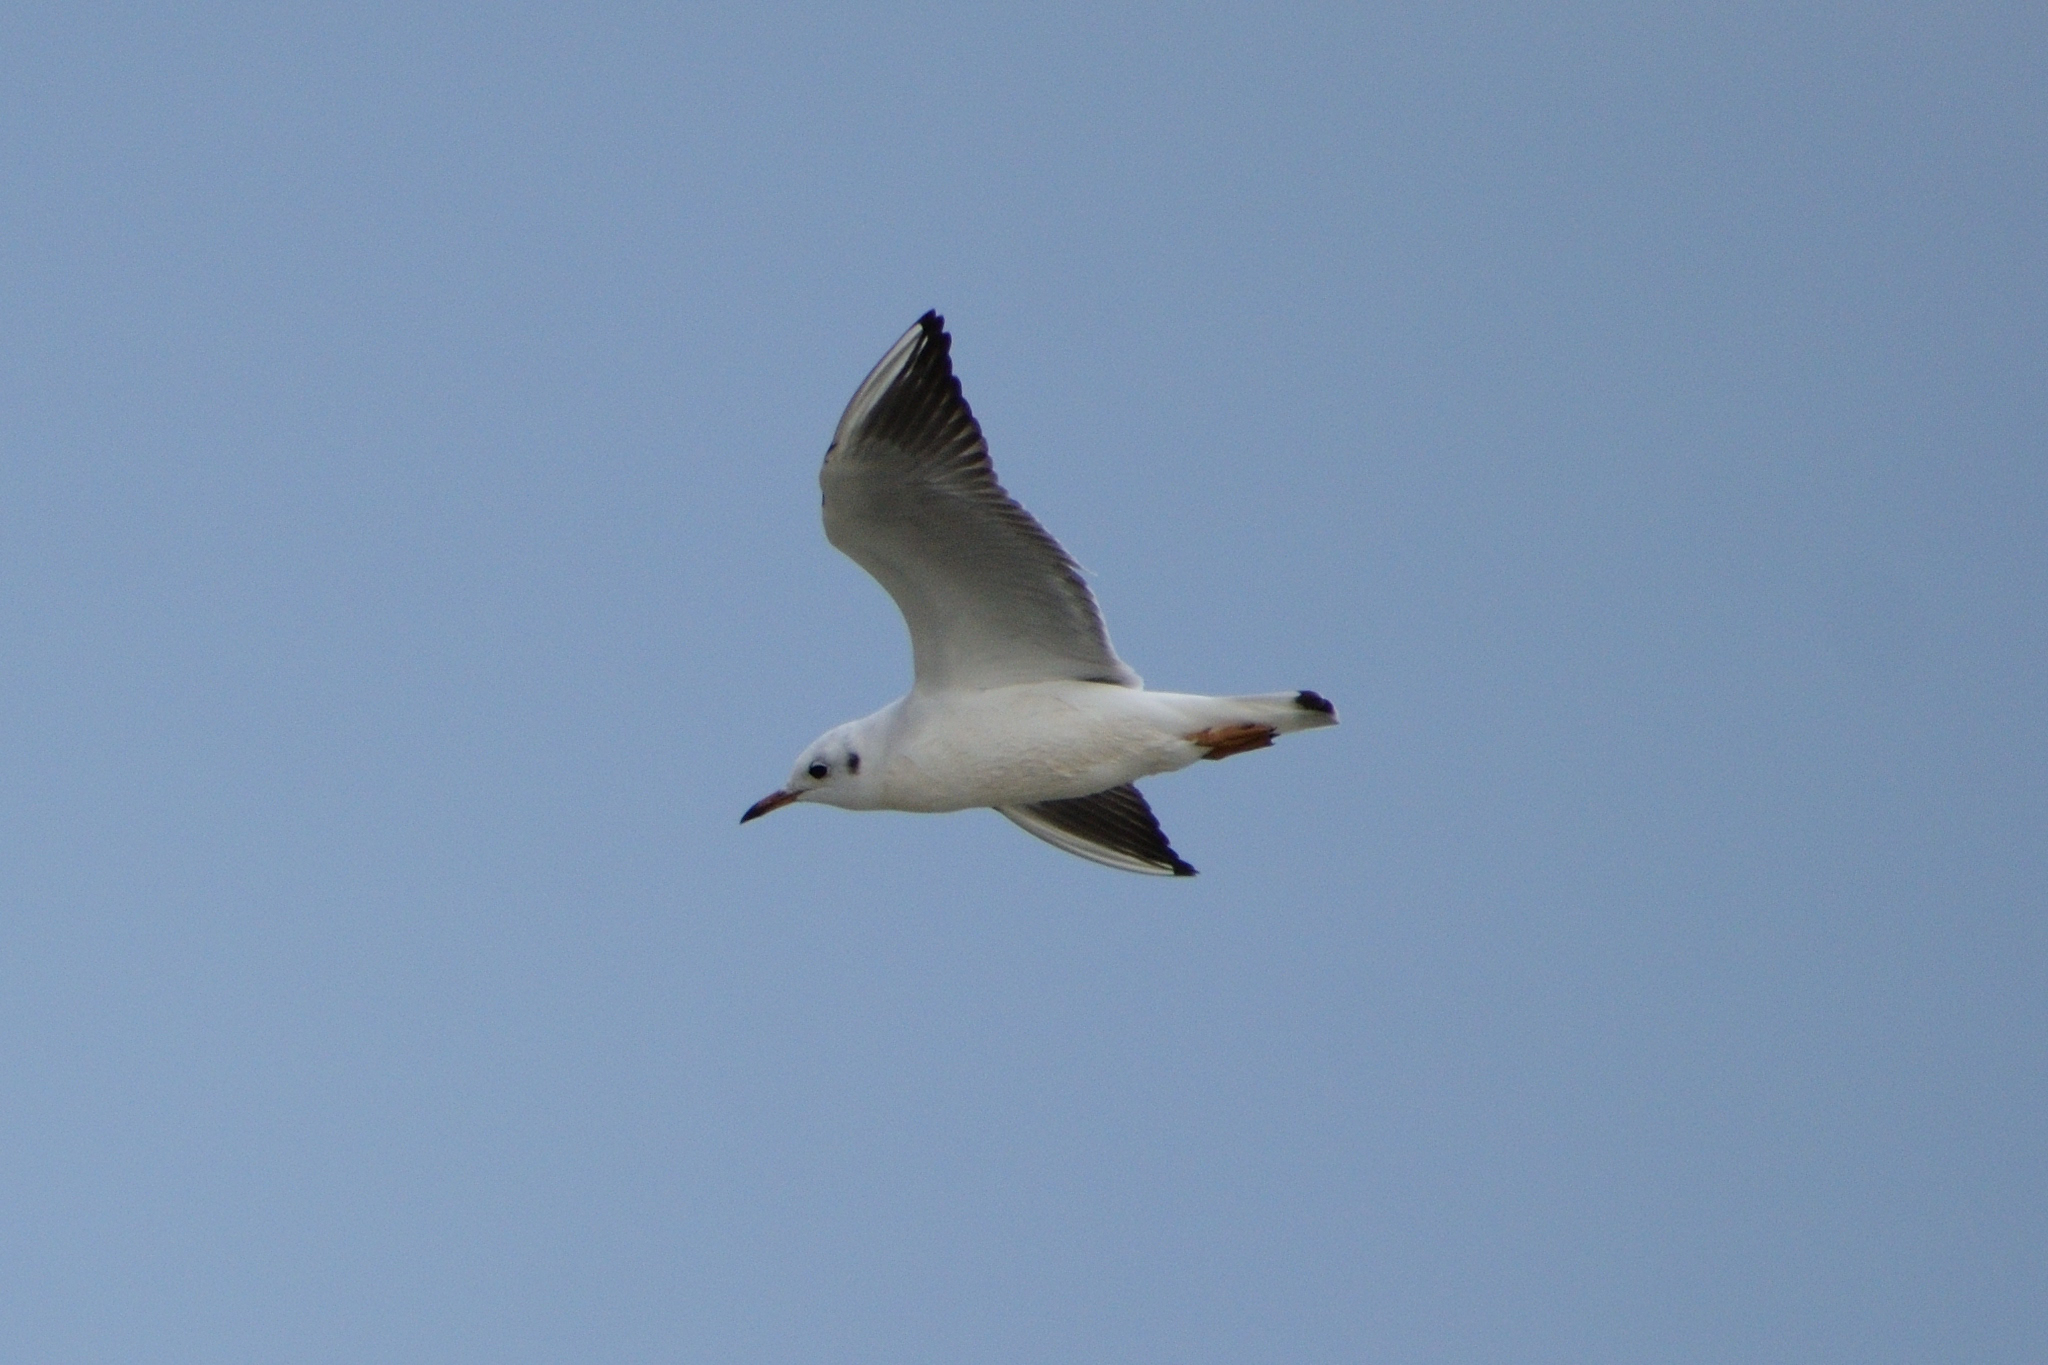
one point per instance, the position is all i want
(853, 763)
(818, 770)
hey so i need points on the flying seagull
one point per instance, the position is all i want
(1019, 701)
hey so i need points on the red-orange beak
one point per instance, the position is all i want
(772, 801)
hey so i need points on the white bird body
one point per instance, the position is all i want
(1020, 702)
(1031, 742)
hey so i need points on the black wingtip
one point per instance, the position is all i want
(1315, 701)
(1181, 869)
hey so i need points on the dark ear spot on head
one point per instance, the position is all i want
(853, 763)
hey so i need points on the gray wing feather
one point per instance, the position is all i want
(1115, 828)
(910, 496)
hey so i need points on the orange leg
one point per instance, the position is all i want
(1224, 740)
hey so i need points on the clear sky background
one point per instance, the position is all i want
(1631, 416)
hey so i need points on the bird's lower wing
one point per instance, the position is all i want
(1115, 828)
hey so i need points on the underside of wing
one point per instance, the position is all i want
(1115, 828)
(910, 496)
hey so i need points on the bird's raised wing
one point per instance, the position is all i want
(911, 497)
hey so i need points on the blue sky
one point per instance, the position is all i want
(410, 568)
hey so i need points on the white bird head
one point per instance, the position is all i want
(837, 769)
